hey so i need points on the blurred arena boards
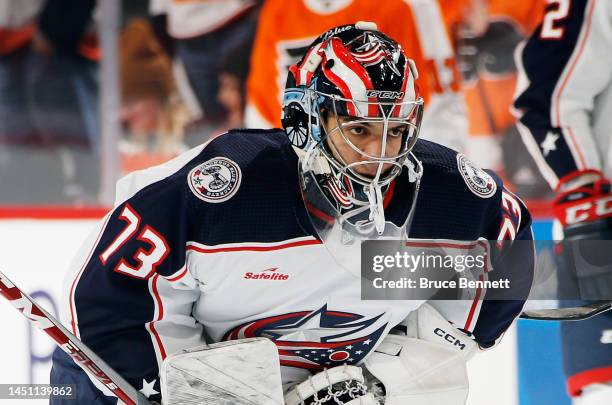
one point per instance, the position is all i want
(35, 255)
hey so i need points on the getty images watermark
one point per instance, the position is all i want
(419, 269)
(427, 269)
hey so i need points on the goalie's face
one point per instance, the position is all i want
(355, 141)
(351, 105)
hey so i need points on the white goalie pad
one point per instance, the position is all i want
(425, 367)
(235, 372)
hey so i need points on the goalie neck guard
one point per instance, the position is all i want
(352, 110)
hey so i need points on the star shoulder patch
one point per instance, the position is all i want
(215, 180)
(478, 181)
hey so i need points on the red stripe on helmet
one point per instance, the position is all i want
(341, 85)
(309, 76)
(370, 56)
(373, 58)
(303, 77)
(367, 54)
(295, 71)
(349, 60)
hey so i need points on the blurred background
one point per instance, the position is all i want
(92, 90)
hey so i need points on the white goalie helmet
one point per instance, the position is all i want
(352, 111)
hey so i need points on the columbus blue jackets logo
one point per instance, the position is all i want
(372, 51)
(316, 339)
(478, 181)
(215, 180)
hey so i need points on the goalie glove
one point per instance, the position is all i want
(426, 365)
(338, 385)
(584, 211)
(584, 198)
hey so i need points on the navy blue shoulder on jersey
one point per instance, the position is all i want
(449, 210)
(446, 208)
(269, 189)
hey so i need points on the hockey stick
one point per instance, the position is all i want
(80, 353)
(568, 314)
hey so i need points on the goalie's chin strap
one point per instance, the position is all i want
(377, 212)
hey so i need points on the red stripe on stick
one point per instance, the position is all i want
(77, 350)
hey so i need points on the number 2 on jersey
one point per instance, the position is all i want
(550, 28)
(147, 259)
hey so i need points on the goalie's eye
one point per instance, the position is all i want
(358, 130)
(398, 131)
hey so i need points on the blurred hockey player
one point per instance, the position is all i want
(564, 105)
(246, 236)
(202, 33)
(486, 40)
(285, 30)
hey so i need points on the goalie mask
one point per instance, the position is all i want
(352, 112)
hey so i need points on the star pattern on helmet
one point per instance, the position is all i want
(372, 50)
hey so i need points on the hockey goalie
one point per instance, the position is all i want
(244, 248)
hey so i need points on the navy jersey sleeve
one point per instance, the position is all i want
(563, 75)
(513, 259)
(130, 298)
(482, 209)
(489, 313)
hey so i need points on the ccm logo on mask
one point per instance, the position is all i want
(385, 94)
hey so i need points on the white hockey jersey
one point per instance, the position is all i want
(217, 244)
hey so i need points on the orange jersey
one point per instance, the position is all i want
(286, 28)
(489, 86)
(527, 14)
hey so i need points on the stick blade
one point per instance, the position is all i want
(568, 314)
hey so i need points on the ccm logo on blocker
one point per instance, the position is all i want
(449, 338)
